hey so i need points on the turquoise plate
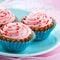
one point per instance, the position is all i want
(37, 47)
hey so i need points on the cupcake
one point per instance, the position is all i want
(6, 16)
(41, 23)
(16, 36)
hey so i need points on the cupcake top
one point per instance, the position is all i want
(16, 30)
(6, 16)
(37, 19)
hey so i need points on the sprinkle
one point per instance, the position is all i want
(39, 20)
(1, 28)
(50, 17)
(45, 16)
(4, 21)
(6, 32)
(10, 34)
(16, 31)
(16, 23)
(17, 28)
(47, 21)
(37, 17)
(39, 25)
(9, 26)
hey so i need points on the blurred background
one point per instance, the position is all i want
(31, 4)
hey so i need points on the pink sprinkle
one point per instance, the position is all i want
(45, 16)
(16, 31)
(34, 24)
(47, 21)
(44, 21)
(38, 18)
(1, 28)
(16, 23)
(39, 25)
(8, 12)
(9, 26)
(6, 32)
(37, 22)
(10, 34)
(4, 21)
(6, 24)
(1, 16)
(50, 17)
(17, 28)
(40, 14)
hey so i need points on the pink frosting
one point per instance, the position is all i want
(38, 19)
(16, 30)
(6, 16)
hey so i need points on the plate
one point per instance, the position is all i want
(37, 47)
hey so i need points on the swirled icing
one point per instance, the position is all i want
(16, 30)
(37, 19)
(6, 16)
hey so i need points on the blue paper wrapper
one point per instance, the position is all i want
(15, 46)
(44, 34)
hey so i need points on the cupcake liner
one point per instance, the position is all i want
(44, 34)
(15, 46)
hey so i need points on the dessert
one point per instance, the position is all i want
(16, 36)
(6, 16)
(41, 23)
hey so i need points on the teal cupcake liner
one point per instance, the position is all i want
(44, 34)
(15, 46)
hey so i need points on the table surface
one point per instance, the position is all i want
(32, 5)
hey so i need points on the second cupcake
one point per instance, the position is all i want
(40, 23)
(16, 36)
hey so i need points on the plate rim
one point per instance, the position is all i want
(28, 55)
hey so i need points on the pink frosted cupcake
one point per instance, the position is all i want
(6, 16)
(16, 36)
(41, 23)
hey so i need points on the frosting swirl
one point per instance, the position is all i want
(16, 30)
(37, 19)
(6, 16)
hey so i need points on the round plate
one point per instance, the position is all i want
(37, 47)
